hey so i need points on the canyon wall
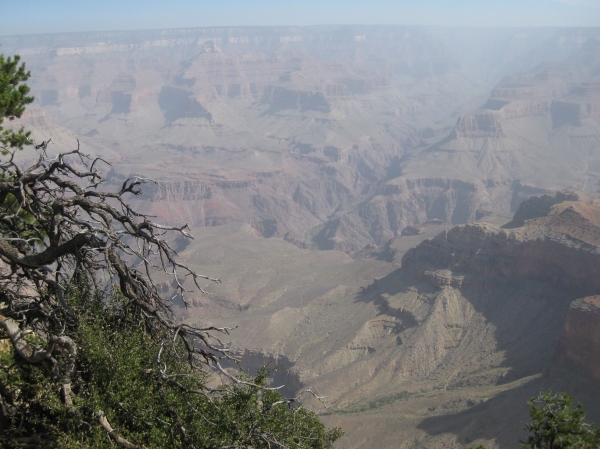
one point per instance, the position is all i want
(329, 137)
(554, 240)
(579, 345)
(469, 325)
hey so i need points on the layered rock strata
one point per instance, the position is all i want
(476, 312)
(554, 240)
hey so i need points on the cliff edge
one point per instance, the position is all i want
(579, 345)
(553, 239)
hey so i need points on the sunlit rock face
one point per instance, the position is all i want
(329, 137)
(278, 127)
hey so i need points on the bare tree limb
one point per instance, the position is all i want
(113, 434)
(54, 221)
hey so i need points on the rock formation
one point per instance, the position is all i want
(579, 345)
(477, 314)
(351, 134)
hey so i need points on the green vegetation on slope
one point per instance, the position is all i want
(556, 424)
(145, 390)
(13, 99)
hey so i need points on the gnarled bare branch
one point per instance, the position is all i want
(113, 434)
(54, 222)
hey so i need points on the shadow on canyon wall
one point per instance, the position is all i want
(525, 318)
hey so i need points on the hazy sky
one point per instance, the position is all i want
(42, 16)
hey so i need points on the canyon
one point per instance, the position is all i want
(441, 351)
(404, 218)
(328, 137)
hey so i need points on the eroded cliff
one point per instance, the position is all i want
(329, 137)
(579, 346)
(469, 326)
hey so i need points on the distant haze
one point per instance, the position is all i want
(43, 16)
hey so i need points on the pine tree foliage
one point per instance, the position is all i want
(13, 99)
(556, 424)
(128, 380)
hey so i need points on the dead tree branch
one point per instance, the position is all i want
(113, 434)
(54, 223)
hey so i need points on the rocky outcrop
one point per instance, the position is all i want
(272, 202)
(478, 125)
(518, 109)
(538, 206)
(281, 98)
(579, 345)
(582, 103)
(178, 103)
(173, 191)
(557, 244)
(545, 250)
(545, 81)
(400, 203)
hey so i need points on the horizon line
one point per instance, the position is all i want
(499, 27)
